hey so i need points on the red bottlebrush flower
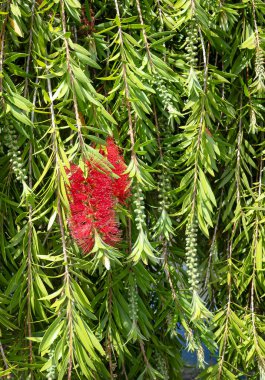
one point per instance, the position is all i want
(120, 185)
(92, 208)
(81, 226)
(103, 202)
(93, 199)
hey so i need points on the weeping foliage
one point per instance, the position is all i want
(179, 86)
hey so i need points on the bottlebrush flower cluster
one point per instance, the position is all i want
(93, 199)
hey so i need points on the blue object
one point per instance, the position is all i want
(190, 358)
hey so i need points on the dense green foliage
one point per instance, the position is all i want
(180, 85)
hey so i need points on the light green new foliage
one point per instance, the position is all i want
(180, 86)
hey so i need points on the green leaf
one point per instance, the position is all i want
(51, 334)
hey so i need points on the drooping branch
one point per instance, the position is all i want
(30, 183)
(230, 248)
(126, 86)
(67, 279)
(70, 71)
(30, 227)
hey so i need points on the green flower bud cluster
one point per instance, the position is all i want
(133, 300)
(191, 344)
(162, 366)
(166, 97)
(253, 122)
(259, 67)
(259, 64)
(172, 321)
(200, 357)
(139, 208)
(191, 254)
(261, 369)
(161, 88)
(163, 188)
(51, 372)
(191, 41)
(15, 154)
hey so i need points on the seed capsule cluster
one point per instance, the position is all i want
(133, 300)
(191, 254)
(139, 208)
(15, 154)
(191, 47)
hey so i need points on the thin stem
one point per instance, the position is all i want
(129, 233)
(29, 48)
(161, 28)
(158, 134)
(144, 33)
(160, 15)
(124, 371)
(192, 3)
(255, 25)
(144, 354)
(2, 46)
(3, 356)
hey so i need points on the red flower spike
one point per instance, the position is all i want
(81, 225)
(92, 208)
(103, 202)
(93, 199)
